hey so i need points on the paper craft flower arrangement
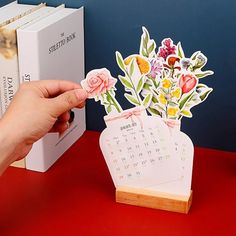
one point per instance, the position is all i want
(162, 79)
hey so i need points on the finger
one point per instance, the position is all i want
(51, 88)
(59, 127)
(81, 105)
(64, 117)
(67, 101)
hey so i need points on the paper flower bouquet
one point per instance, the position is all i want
(143, 146)
(161, 79)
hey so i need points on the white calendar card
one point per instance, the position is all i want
(139, 151)
(184, 151)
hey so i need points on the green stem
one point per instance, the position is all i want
(114, 102)
(166, 113)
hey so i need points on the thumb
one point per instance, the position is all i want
(68, 100)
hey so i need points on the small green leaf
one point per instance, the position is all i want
(125, 82)
(184, 100)
(131, 68)
(145, 38)
(154, 99)
(180, 50)
(153, 111)
(204, 96)
(143, 53)
(194, 56)
(172, 103)
(151, 48)
(140, 84)
(204, 74)
(186, 113)
(201, 86)
(147, 86)
(108, 109)
(144, 42)
(120, 61)
(131, 99)
(109, 99)
(203, 91)
(147, 100)
(159, 107)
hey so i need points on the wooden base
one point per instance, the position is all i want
(152, 199)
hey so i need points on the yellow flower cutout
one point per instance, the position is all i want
(142, 62)
(166, 83)
(162, 98)
(172, 111)
(176, 93)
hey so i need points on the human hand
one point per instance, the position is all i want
(37, 108)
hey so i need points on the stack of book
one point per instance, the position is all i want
(40, 43)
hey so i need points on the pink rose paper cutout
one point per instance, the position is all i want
(100, 85)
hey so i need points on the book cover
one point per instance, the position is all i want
(9, 74)
(69, 3)
(56, 52)
(14, 11)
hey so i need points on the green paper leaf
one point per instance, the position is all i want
(151, 48)
(108, 109)
(194, 56)
(140, 84)
(147, 100)
(204, 96)
(204, 74)
(143, 53)
(180, 50)
(131, 68)
(153, 111)
(172, 103)
(184, 100)
(154, 100)
(144, 43)
(186, 113)
(203, 91)
(131, 99)
(125, 82)
(147, 86)
(160, 108)
(120, 61)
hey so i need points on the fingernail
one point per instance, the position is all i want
(81, 94)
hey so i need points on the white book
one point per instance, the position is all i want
(8, 14)
(56, 52)
(9, 73)
(14, 11)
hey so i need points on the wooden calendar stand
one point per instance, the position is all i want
(152, 199)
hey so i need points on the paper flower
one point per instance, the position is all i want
(100, 85)
(172, 111)
(167, 48)
(166, 83)
(187, 82)
(141, 61)
(156, 68)
(98, 82)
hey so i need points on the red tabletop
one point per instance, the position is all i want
(76, 196)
